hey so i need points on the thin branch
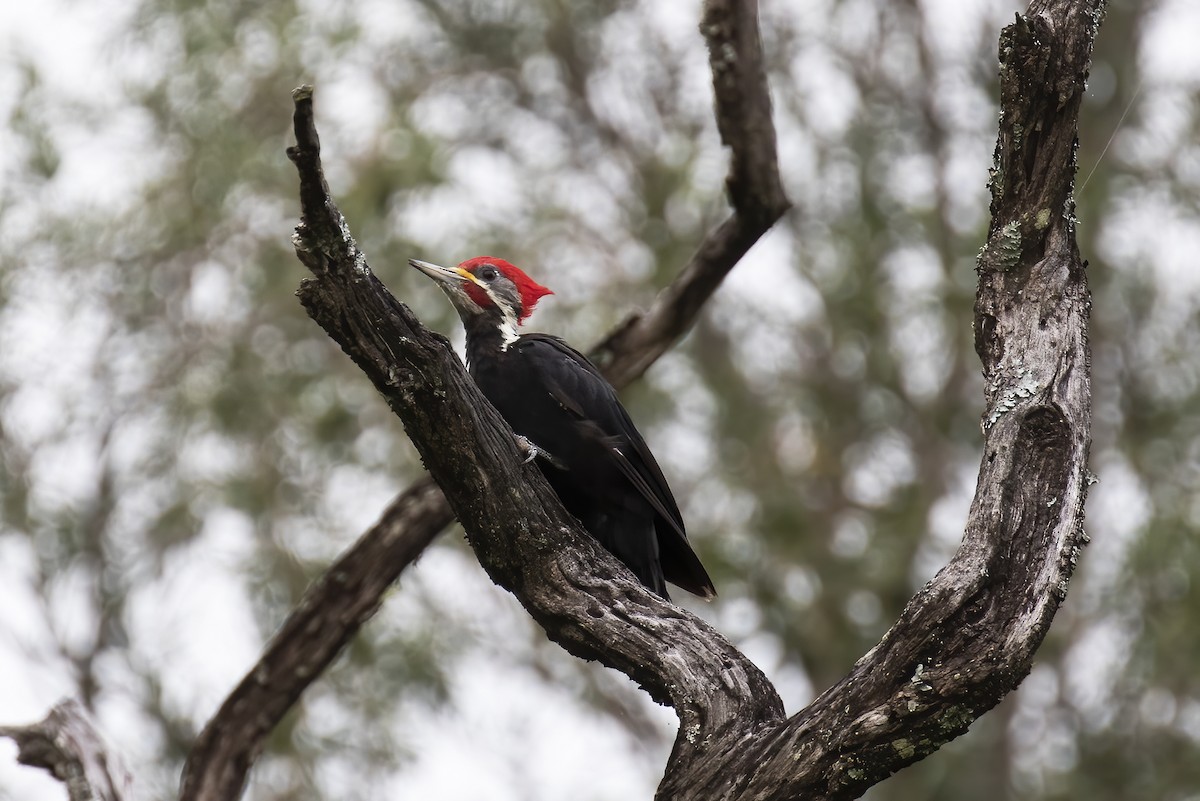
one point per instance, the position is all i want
(332, 610)
(318, 628)
(67, 745)
(746, 123)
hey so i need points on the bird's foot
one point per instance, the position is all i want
(532, 451)
(526, 446)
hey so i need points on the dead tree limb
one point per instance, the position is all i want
(963, 641)
(745, 121)
(523, 537)
(67, 745)
(969, 636)
(961, 644)
(333, 610)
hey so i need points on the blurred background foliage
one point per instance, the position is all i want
(183, 450)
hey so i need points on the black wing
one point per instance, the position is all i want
(579, 388)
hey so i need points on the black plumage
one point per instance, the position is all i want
(551, 394)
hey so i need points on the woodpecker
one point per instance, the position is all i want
(553, 397)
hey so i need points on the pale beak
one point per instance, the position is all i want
(451, 279)
(442, 274)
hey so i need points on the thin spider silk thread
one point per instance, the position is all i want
(1116, 130)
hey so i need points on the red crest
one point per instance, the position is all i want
(531, 291)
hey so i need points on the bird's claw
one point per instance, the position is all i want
(526, 446)
(532, 451)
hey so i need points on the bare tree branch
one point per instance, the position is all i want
(524, 538)
(962, 642)
(332, 611)
(67, 744)
(746, 124)
(968, 637)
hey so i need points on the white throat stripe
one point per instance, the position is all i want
(509, 323)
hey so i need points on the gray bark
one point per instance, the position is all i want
(962, 642)
(68, 745)
(350, 591)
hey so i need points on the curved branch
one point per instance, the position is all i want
(522, 535)
(331, 613)
(968, 637)
(745, 121)
(962, 642)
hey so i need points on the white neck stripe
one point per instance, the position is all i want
(509, 321)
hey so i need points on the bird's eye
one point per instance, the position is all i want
(488, 273)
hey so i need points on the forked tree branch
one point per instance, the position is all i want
(961, 644)
(347, 595)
